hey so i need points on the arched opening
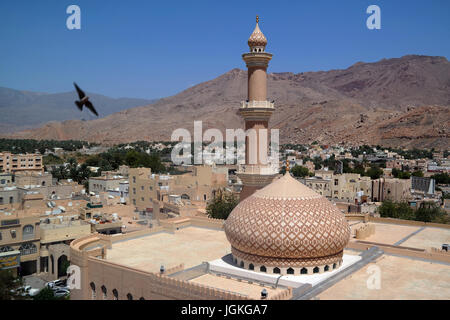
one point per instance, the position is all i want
(28, 232)
(334, 265)
(63, 264)
(27, 248)
(115, 294)
(276, 270)
(327, 268)
(141, 298)
(104, 292)
(316, 270)
(53, 263)
(304, 271)
(262, 269)
(129, 296)
(93, 293)
(185, 196)
(290, 271)
(241, 264)
(43, 183)
(251, 266)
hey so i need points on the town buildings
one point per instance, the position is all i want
(10, 162)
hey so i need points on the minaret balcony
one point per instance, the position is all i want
(257, 104)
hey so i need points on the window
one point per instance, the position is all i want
(327, 268)
(142, 188)
(115, 294)
(262, 269)
(27, 248)
(134, 190)
(28, 232)
(93, 293)
(104, 291)
(134, 179)
(336, 182)
(290, 271)
(304, 271)
(129, 296)
(316, 270)
(1, 200)
(251, 266)
(11, 199)
(276, 270)
(6, 249)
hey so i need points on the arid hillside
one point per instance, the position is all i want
(393, 102)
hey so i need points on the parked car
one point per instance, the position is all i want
(56, 283)
(61, 292)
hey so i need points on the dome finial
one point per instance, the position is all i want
(257, 18)
(287, 164)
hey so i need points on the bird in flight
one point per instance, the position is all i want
(84, 100)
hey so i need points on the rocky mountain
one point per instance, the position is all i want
(393, 102)
(24, 109)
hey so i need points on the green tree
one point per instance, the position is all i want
(398, 210)
(46, 294)
(221, 205)
(299, 171)
(9, 285)
(417, 173)
(374, 172)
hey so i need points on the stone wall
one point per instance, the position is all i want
(365, 231)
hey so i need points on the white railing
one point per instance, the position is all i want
(257, 104)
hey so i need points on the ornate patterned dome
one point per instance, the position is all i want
(287, 225)
(257, 38)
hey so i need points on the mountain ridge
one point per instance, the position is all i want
(394, 102)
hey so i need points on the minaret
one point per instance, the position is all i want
(256, 111)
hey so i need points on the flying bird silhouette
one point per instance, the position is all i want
(84, 100)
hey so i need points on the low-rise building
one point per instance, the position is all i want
(10, 162)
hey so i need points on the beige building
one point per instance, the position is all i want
(13, 163)
(395, 189)
(343, 187)
(105, 182)
(197, 185)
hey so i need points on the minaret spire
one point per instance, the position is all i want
(256, 112)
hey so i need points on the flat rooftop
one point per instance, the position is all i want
(190, 245)
(401, 278)
(244, 288)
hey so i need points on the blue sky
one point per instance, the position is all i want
(152, 49)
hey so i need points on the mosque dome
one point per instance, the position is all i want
(257, 38)
(287, 227)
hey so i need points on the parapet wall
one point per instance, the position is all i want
(150, 286)
(401, 251)
(365, 231)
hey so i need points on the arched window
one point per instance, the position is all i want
(327, 268)
(27, 248)
(276, 270)
(129, 296)
(262, 269)
(334, 265)
(6, 249)
(251, 266)
(290, 271)
(141, 298)
(104, 292)
(242, 264)
(28, 232)
(115, 294)
(316, 270)
(304, 271)
(93, 293)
